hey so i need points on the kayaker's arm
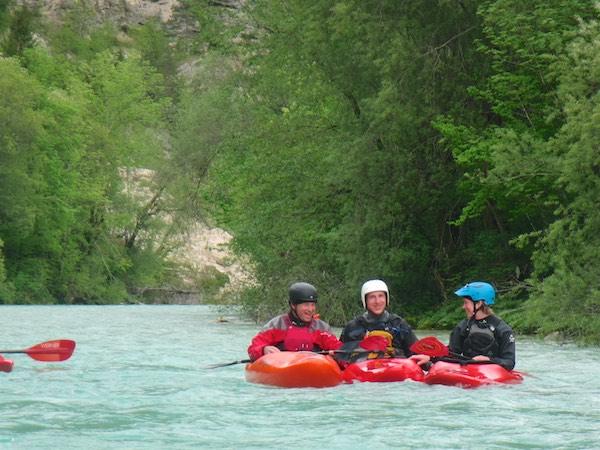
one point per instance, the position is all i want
(506, 350)
(270, 349)
(455, 343)
(326, 341)
(263, 339)
(353, 331)
(408, 339)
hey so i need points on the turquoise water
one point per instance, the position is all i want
(136, 381)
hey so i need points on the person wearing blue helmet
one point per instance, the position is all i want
(482, 336)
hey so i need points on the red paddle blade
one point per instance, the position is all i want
(430, 346)
(57, 350)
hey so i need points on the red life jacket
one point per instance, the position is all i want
(298, 338)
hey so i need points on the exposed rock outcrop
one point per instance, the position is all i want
(120, 11)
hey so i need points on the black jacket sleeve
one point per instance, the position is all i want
(353, 331)
(506, 356)
(455, 344)
(404, 337)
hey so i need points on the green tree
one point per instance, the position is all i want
(507, 183)
(73, 229)
(95, 192)
(338, 177)
(20, 23)
(23, 160)
(6, 289)
(566, 261)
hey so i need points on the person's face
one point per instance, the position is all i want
(305, 311)
(376, 302)
(469, 306)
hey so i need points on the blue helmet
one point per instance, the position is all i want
(478, 290)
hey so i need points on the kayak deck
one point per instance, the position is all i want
(471, 375)
(294, 369)
(383, 371)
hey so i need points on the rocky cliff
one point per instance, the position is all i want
(118, 11)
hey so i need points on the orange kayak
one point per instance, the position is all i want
(471, 375)
(294, 370)
(383, 370)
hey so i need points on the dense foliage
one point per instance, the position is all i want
(426, 143)
(89, 196)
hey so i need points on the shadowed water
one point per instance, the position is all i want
(136, 381)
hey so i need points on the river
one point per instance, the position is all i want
(136, 381)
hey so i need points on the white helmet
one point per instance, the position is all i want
(374, 286)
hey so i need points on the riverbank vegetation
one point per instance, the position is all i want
(426, 143)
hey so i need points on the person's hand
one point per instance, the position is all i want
(270, 349)
(480, 358)
(420, 359)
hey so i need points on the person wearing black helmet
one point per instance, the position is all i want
(298, 329)
(378, 322)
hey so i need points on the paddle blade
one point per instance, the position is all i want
(430, 346)
(57, 350)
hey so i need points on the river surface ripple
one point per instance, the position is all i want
(136, 381)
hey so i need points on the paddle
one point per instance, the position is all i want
(324, 352)
(430, 346)
(50, 351)
(438, 351)
(239, 361)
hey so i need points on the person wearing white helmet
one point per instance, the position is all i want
(378, 321)
(482, 336)
(298, 330)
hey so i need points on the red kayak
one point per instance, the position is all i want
(383, 371)
(6, 365)
(294, 370)
(307, 369)
(471, 375)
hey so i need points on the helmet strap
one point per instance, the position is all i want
(475, 311)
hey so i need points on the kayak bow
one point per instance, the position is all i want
(6, 365)
(294, 370)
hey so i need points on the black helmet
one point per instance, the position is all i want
(302, 292)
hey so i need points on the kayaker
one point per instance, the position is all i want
(482, 336)
(296, 330)
(378, 321)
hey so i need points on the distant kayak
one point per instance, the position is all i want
(294, 370)
(383, 370)
(471, 375)
(6, 365)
